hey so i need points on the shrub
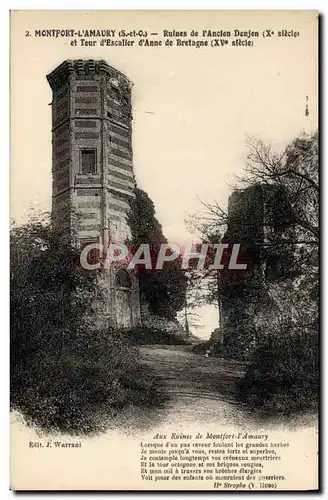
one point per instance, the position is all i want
(202, 347)
(238, 344)
(164, 290)
(77, 388)
(66, 375)
(143, 335)
(282, 376)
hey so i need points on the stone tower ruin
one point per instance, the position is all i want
(92, 169)
(259, 220)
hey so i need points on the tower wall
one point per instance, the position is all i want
(259, 220)
(92, 166)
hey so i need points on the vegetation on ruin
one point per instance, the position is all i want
(273, 322)
(163, 289)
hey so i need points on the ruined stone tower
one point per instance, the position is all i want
(92, 168)
(259, 219)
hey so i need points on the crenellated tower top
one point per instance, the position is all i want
(86, 68)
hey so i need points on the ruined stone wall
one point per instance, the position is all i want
(257, 220)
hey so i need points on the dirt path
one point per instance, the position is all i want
(200, 388)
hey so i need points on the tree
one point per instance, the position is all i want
(190, 320)
(50, 291)
(281, 240)
(67, 374)
(274, 305)
(163, 289)
(296, 173)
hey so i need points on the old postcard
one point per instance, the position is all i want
(164, 250)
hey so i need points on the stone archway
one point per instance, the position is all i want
(123, 287)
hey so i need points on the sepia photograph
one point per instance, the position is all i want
(164, 250)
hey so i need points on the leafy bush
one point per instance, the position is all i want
(78, 388)
(149, 336)
(283, 374)
(66, 374)
(202, 347)
(164, 290)
(238, 343)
